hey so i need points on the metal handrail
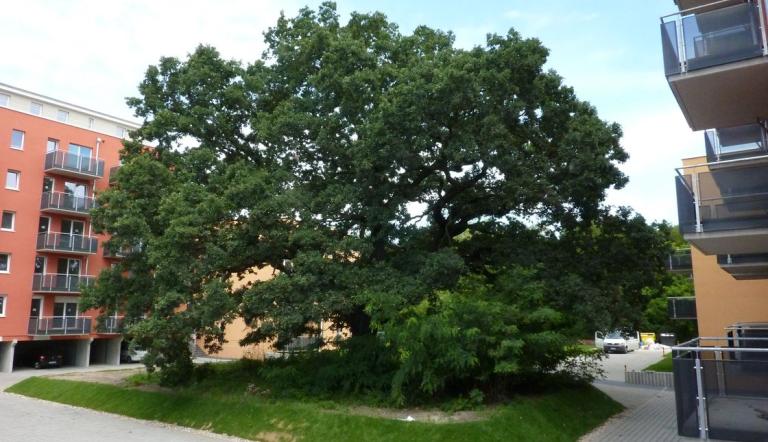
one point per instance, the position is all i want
(68, 202)
(87, 165)
(695, 8)
(59, 325)
(50, 282)
(60, 241)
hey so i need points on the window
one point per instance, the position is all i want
(45, 224)
(12, 179)
(48, 184)
(4, 99)
(91, 122)
(8, 221)
(120, 132)
(62, 116)
(17, 139)
(36, 108)
(5, 263)
(2, 305)
(52, 145)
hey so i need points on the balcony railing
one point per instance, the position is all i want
(59, 283)
(121, 253)
(72, 164)
(696, 40)
(110, 325)
(112, 173)
(682, 307)
(66, 243)
(733, 198)
(59, 325)
(745, 266)
(680, 261)
(735, 142)
(66, 203)
(720, 388)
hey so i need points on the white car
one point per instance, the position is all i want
(617, 341)
(135, 355)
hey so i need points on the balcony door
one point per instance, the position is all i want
(36, 310)
(48, 184)
(67, 274)
(65, 315)
(71, 237)
(79, 158)
(74, 195)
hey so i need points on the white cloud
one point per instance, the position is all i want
(94, 53)
(656, 141)
(535, 21)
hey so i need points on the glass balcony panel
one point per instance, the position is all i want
(681, 307)
(733, 198)
(75, 163)
(67, 202)
(59, 283)
(669, 47)
(686, 209)
(59, 325)
(65, 242)
(722, 36)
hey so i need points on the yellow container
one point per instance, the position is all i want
(648, 338)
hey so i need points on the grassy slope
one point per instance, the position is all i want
(557, 416)
(663, 365)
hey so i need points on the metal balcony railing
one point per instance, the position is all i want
(110, 325)
(59, 325)
(680, 261)
(112, 172)
(735, 142)
(720, 387)
(732, 198)
(121, 253)
(681, 307)
(67, 203)
(703, 37)
(73, 164)
(59, 283)
(66, 243)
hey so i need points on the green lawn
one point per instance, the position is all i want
(665, 364)
(561, 415)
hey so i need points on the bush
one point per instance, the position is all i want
(486, 337)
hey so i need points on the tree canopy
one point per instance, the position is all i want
(384, 176)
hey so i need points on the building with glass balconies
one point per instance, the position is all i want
(54, 158)
(716, 63)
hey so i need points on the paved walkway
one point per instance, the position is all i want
(33, 420)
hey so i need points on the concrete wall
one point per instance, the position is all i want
(6, 356)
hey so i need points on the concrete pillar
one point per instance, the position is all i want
(83, 352)
(113, 351)
(7, 349)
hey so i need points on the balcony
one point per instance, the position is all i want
(120, 253)
(66, 203)
(680, 261)
(681, 307)
(749, 266)
(720, 388)
(110, 325)
(59, 326)
(725, 211)
(66, 243)
(714, 60)
(69, 164)
(732, 143)
(59, 283)
(113, 173)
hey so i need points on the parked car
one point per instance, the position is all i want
(135, 355)
(49, 360)
(617, 341)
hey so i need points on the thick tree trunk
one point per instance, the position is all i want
(359, 322)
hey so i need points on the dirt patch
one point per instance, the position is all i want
(418, 415)
(111, 377)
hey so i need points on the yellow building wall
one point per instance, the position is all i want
(722, 300)
(237, 329)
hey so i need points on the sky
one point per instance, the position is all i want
(94, 54)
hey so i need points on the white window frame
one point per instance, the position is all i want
(23, 137)
(13, 221)
(9, 263)
(32, 108)
(91, 122)
(18, 179)
(3, 306)
(5, 100)
(65, 114)
(56, 145)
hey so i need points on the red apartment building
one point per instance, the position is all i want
(54, 158)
